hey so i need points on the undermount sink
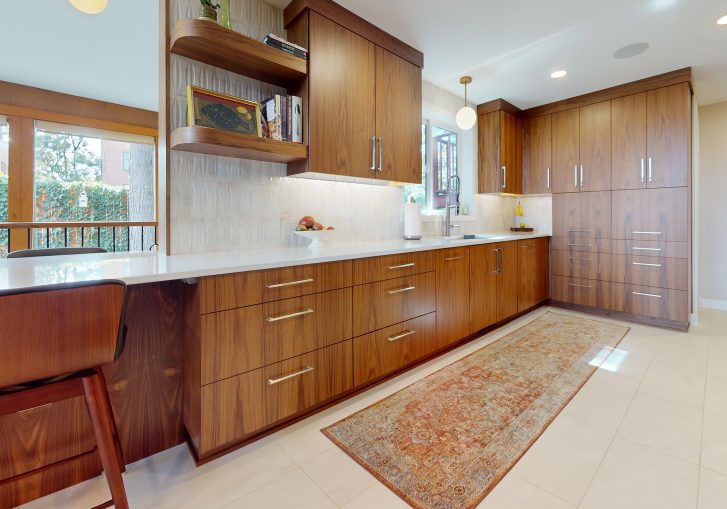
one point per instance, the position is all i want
(490, 236)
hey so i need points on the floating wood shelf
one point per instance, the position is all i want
(204, 140)
(209, 43)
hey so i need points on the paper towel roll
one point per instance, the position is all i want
(412, 221)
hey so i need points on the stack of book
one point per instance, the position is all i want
(274, 41)
(282, 118)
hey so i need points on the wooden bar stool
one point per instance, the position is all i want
(54, 341)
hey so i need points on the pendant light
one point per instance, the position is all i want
(466, 116)
(89, 6)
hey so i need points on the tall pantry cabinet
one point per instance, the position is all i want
(621, 205)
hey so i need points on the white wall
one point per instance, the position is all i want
(712, 205)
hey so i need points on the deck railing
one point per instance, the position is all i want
(114, 236)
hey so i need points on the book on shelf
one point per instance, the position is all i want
(276, 42)
(282, 118)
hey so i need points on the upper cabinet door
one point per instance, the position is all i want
(537, 155)
(511, 144)
(342, 103)
(628, 142)
(594, 170)
(566, 156)
(489, 175)
(668, 123)
(398, 118)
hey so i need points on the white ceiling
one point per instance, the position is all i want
(511, 47)
(112, 56)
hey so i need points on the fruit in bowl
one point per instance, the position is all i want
(309, 223)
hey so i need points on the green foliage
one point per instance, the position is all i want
(208, 3)
(65, 157)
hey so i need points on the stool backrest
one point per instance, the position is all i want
(55, 330)
(53, 251)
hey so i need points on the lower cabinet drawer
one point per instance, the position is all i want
(650, 248)
(651, 302)
(580, 245)
(239, 406)
(583, 292)
(378, 305)
(387, 350)
(651, 271)
(380, 268)
(243, 339)
(581, 265)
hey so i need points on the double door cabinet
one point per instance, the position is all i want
(364, 104)
(264, 347)
(626, 248)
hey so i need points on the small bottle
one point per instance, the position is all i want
(225, 14)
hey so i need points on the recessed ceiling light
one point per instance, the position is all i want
(722, 20)
(89, 6)
(631, 50)
(558, 74)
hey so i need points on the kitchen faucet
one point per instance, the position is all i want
(453, 185)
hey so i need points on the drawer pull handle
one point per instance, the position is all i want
(273, 381)
(402, 266)
(400, 336)
(646, 248)
(647, 295)
(452, 258)
(291, 315)
(646, 264)
(581, 231)
(290, 283)
(579, 245)
(579, 286)
(401, 290)
(579, 258)
(646, 233)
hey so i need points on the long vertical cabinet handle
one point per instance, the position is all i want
(581, 176)
(642, 171)
(381, 153)
(548, 177)
(497, 260)
(373, 153)
(575, 176)
(650, 179)
(504, 177)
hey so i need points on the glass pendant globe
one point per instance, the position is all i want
(466, 118)
(89, 6)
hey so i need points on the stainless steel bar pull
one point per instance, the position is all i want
(400, 336)
(646, 233)
(581, 176)
(504, 177)
(579, 286)
(402, 266)
(646, 248)
(401, 290)
(655, 296)
(642, 170)
(575, 176)
(273, 381)
(547, 173)
(650, 179)
(290, 283)
(291, 315)
(381, 154)
(646, 264)
(373, 153)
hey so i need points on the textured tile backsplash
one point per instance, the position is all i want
(222, 204)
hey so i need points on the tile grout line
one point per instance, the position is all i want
(539, 488)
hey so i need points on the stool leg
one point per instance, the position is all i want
(94, 389)
(114, 431)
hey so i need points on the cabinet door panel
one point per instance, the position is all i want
(651, 214)
(582, 215)
(652, 302)
(398, 118)
(512, 152)
(489, 153)
(342, 103)
(595, 147)
(565, 151)
(582, 292)
(628, 142)
(537, 155)
(668, 135)
(507, 280)
(483, 286)
(655, 271)
(453, 266)
(532, 262)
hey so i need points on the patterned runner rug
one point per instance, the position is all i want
(447, 440)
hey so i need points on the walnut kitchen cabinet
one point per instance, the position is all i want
(453, 289)
(582, 149)
(494, 284)
(532, 273)
(363, 99)
(537, 154)
(651, 134)
(500, 148)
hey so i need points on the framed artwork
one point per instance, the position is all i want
(206, 108)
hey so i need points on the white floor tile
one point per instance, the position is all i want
(565, 458)
(622, 368)
(717, 360)
(682, 354)
(294, 490)
(339, 476)
(516, 493)
(715, 396)
(714, 442)
(670, 427)
(634, 476)
(712, 490)
(674, 384)
(600, 404)
(377, 496)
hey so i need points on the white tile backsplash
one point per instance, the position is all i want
(222, 204)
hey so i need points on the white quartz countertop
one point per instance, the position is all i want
(137, 268)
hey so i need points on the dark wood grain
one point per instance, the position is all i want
(595, 146)
(380, 268)
(573, 244)
(507, 281)
(662, 214)
(581, 265)
(566, 154)
(669, 123)
(628, 145)
(453, 289)
(497, 105)
(654, 271)
(204, 140)
(650, 248)
(582, 292)
(398, 118)
(483, 286)
(672, 305)
(212, 44)
(512, 151)
(489, 173)
(537, 155)
(634, 87)
(355, 24)
(582, 215)
(533, 274)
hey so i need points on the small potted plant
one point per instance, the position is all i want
(207, 10)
